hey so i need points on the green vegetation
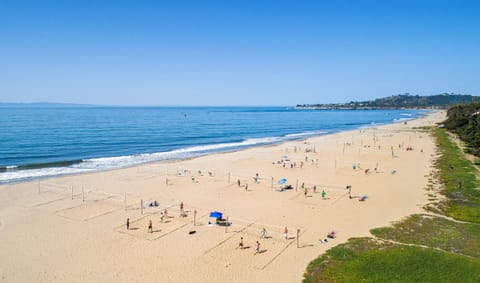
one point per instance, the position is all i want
(459, 178)
(406, 100)
(370, 260)
(436, 232)
(464, 120)
(420, 248)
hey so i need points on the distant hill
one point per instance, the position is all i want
(43, 105)
(438, 101)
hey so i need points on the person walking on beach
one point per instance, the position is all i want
(257, 249)
(128, 223)
(263, 234)
(305, 192)
(246, 187)
(323, 194)
(240, 245)
(314, 188)
(181, 206)
(349, 188)
(238, 182)
(150, 226)
(285, 233)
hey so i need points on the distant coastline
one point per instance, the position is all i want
(43, 105)
(334, 107)
(401, 101)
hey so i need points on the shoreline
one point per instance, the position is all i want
(79, 161)
(92, 236)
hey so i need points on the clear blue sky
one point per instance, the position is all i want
(235, 52)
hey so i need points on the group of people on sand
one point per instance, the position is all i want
(263, 235)
(164, 215)
(330, 235)
(305, 191)
(242, 246)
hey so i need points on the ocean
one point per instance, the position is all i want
(37, 142)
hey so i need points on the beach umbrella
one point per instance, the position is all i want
(216, 214)
(282, 181)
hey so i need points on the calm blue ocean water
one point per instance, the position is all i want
(40, 142)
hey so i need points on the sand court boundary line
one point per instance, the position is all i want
(234, 233)
(282, 251)
(271, 249)
(255, 222)
(183, 222)
(54, 198)
(169, 232)
(46, 203)
(85, 205)
(339, 198)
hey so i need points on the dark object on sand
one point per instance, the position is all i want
(192, 232)
(288, 187)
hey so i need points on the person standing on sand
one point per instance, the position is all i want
(150, 226)
(285, 233)
(263, 234)
(306, 192)
(257, 250)
(240, 245)
(128, 223)
(323, 194)
(238, 182)
(314, 188)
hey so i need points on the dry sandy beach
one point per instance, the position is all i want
(72, 228)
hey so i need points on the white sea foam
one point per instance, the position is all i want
(11, 176)
(105, 163)
(402, 119)
(306, 134)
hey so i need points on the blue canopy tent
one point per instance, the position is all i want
(216, 214)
